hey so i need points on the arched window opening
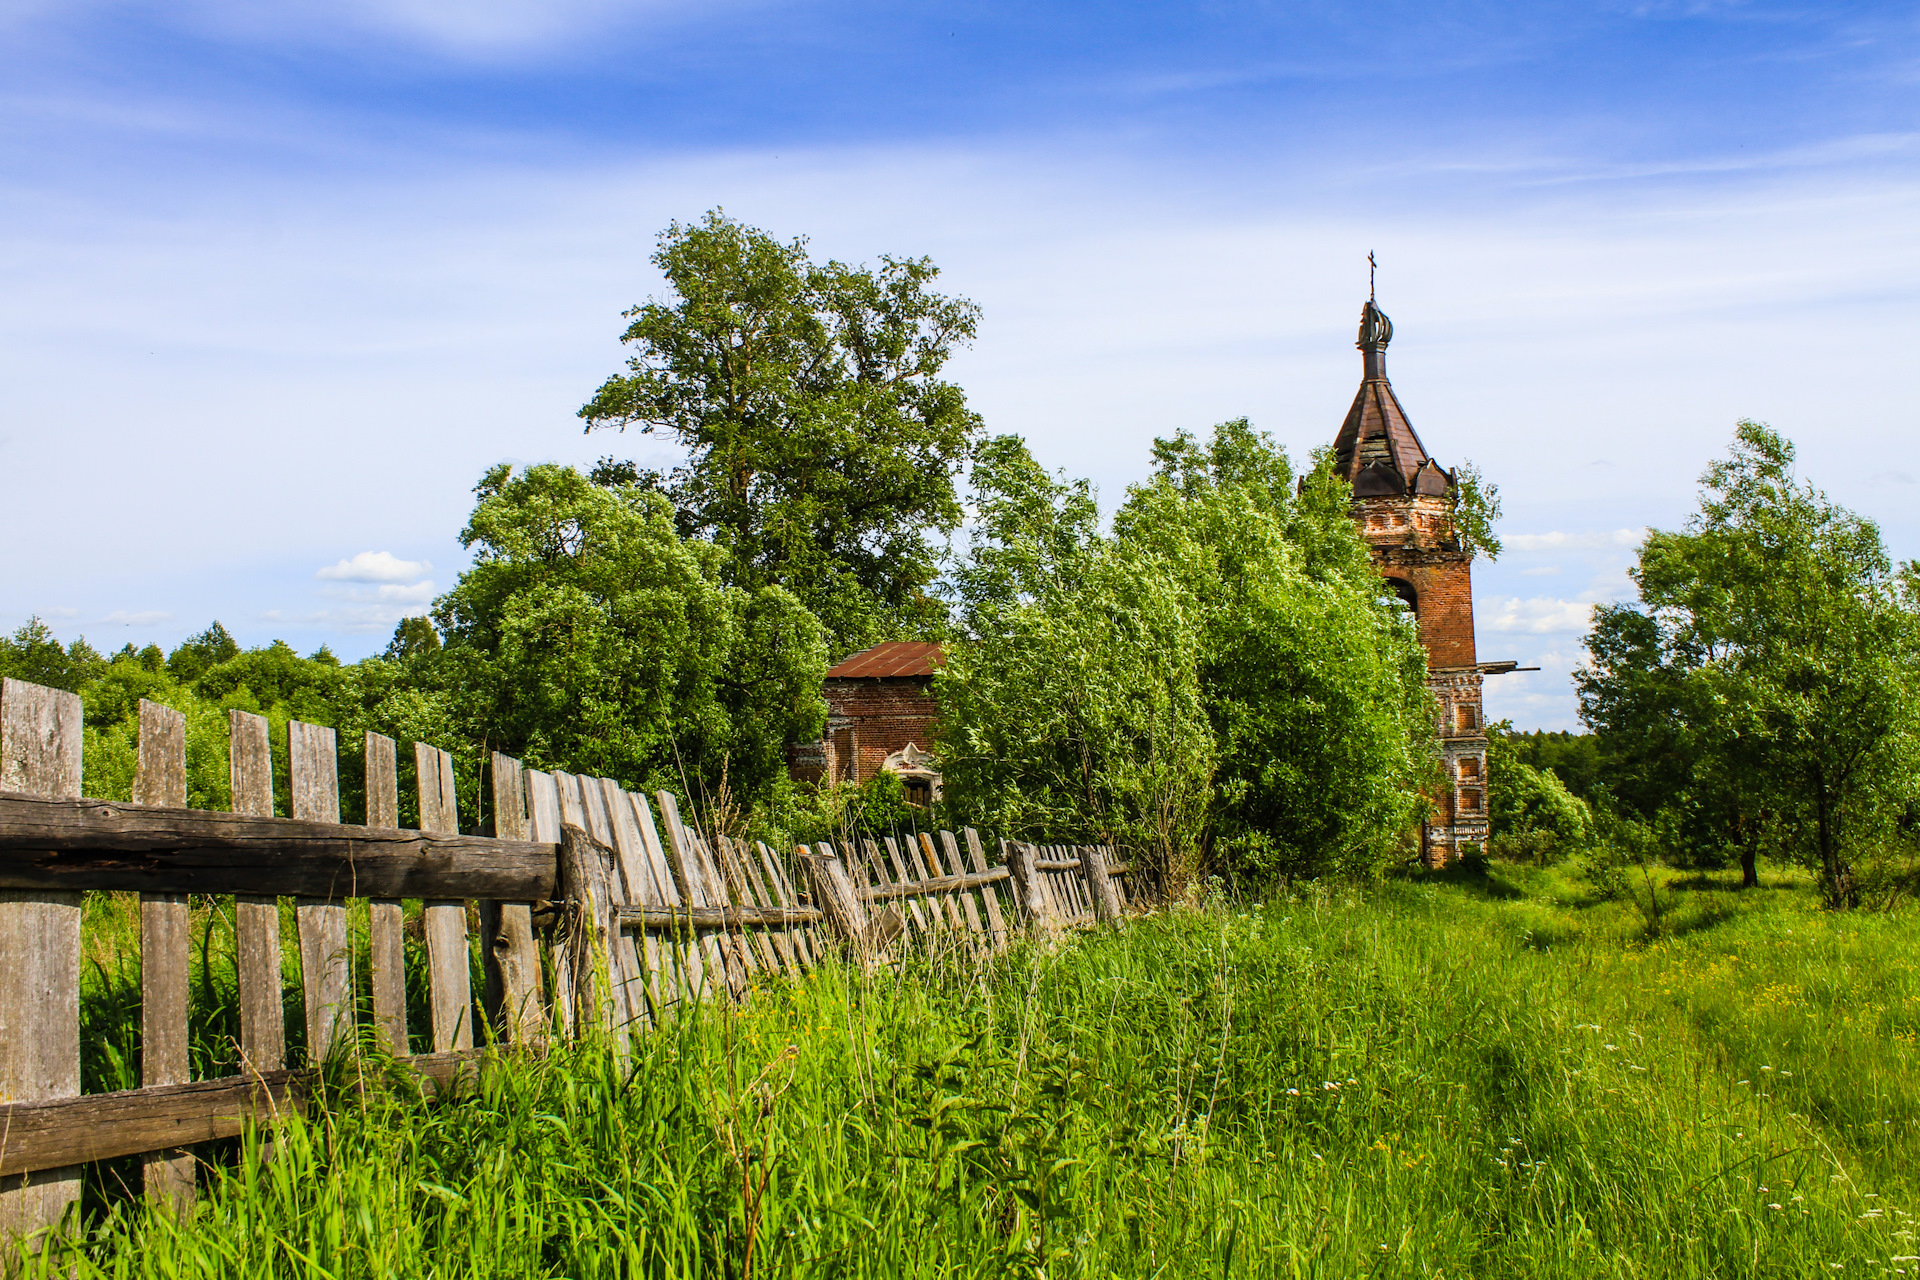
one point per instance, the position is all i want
(1408, 596)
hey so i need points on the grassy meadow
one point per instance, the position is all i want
(1463, 1074)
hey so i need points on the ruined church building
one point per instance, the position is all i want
(881, 709)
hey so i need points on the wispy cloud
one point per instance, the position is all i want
(1572, 541)
(375, 566)
(135, 618)
(1540, 615)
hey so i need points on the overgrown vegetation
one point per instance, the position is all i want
(1486, 1074)
(1219, 679)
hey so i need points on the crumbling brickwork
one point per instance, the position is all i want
(879, 702)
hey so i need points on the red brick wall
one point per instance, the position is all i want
(870, 719)
(1446, 611)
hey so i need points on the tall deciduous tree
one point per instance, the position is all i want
(822, 443)
(588, 635)
(1772, 665)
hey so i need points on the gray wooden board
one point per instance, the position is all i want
(628, 978)
(683, 969)
(586, 870)
(326, 963)
(806, 946)
(543, 824)
(160, 778)
(781, 936)
(40, 744)
(256, 916)
(920, 912)
(635, 886)
(105, 1126)
(717, 966)
(515, 997)
(386, 920)
(956, 866)
(989, 894)
(444, 920)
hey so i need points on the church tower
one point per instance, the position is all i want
(1402, 500)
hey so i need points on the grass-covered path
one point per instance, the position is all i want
(1451, 1076)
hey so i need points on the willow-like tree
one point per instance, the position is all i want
(822, 443)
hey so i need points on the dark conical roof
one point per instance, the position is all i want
(1377, 448)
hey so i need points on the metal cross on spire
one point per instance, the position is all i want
(1370, 266)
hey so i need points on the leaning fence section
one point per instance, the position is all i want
(590, 906)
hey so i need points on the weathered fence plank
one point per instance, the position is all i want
(326, 973)
(543, 824)
(99, 844)
(40, 742)
(690, 877)
(444, 920)
(105, 1126)
(1106, 900)
(160, 778)
(684, 973)
(386, 919)
(256, 916)
(514, 996)
(990, 894)
(586, 869)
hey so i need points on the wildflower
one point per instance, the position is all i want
(1294, 1092)
(1611, 1048)
(1328, 1084)
(1773, 1206)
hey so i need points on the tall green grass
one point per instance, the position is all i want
(1481, 1076)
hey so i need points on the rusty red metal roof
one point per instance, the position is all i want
(894, 658)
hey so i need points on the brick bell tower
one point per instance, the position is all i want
(1403, 500)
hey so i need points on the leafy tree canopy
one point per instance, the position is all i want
(1219, 676)
(589, 635)
(822, 444)
(34, 655)
(1771, 667)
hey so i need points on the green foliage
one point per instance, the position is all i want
(1220, 675)
(1574, 758)
(1770, 677)
(412, 637)
(822, 444)
(588, 635)
(32, 654)
(1473, 507)
(1535, 816)
(198, 653)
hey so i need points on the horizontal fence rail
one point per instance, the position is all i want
(597, 907)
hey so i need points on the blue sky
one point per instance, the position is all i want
(282, 281)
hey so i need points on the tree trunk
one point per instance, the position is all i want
(1749, 873)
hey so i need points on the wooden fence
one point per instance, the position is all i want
(594, 906)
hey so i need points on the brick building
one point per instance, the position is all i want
(880, 716)
(1402, 499)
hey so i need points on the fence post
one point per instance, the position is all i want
(160, 778)
(586, 888)
(386, 918)
(40, 739)
(833, 893)
(1106, 900)
(1035, 911)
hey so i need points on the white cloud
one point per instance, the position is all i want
(1541, 571)
(1572, 541)
(1541, 615)
(376, 566)
(139, 618)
